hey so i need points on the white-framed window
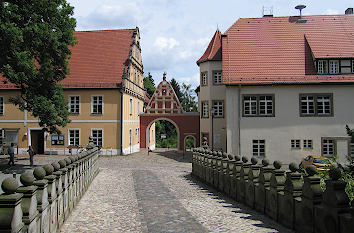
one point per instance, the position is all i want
(258, 148)
(217, 77)
(74, 137)
(333, 66)
(205, 109)
(258, 105)
(2, 105)
(74, 104)
(322, 67)
(97, 104)
(218, 106)
(328, 147)
(316, 105)
(97, 136)
(204, 78)
(295, 143)
(307, 144)
(130, 106)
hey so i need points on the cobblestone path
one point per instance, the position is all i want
(155, 193)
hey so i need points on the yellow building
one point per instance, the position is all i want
(105, 94)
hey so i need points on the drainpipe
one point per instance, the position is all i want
(239, 119)
(121, 120)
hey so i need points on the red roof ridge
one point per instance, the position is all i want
(213, 51)
(108, 30)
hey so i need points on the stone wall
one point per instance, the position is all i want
(48, 195)
(284, 195)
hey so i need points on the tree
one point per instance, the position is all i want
(187, 100)
(177, 88)
(149, 85)
(34, 53)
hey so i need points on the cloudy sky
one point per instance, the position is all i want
(175, 33)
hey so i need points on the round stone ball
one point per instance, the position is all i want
(49, 169)
(72, 159)
(265, 162)
(244, 159)
(62, 163)
(39, 173)
(56, 166)
(219, 154)
(293, 167)
(9, 185)
(277, 164)
(224, 155)
(202, 151)
(230, 156)
(27, 178)
(335, 173)
(311, 170)
(215, 153)
(254, 160)
(67, 160)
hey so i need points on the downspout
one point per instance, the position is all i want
(239, 119)
(121, 120)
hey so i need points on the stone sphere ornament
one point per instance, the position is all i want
(9, 185)
(224, 155)
(49, 169)
(56, 166)
(265, 162)
(39, 173)
(311, 170)
(67, 160)
(237, 158)
(277, 164)
(219, 154)
(293, 167)
(27, 178)
(254, 161)
(62, 163)
(244, 159)
(231, 157)
(335, 173)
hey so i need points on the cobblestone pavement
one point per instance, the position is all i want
(155, 193)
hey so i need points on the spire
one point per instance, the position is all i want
(164, 76)
(213, 52)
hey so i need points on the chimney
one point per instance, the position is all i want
(349, 11)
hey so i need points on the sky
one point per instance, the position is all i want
(175, 33)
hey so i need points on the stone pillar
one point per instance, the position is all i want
(216, 169)
(334, 205)
(311, 196)
(193, 160)
(52, 197)
(64, 177)
(229, 174)
(42, 200)
(292, 192)
(263, 187)
(207, 166)
(10, 207)
(222, 174)
(203, 166)
(219, 170)
(277, 182)
(212, 167)
(29, 202)
(236, 178)
(59, 192)
(69, 187)
(241, 190)
(253, 181)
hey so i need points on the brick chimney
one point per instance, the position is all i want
(349, 11)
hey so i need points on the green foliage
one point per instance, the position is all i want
(167, 128)
(149, 85)
(34, 49)
(185, 96)
(177, 88)
(189, 143)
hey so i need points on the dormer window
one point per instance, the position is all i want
(333, 66)
(322, 67)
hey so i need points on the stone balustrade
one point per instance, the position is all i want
(47, 195)
(285, 195)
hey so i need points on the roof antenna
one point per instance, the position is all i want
(300, 7)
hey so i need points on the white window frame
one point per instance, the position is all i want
(327, 146)
(295, 144)
(2, 105)
(204, 78)
(322, 103)
(69, 137)
(257, 149)
(307, 144)
(92, 129)
(217, 77)
(218, 106)
(205, 109)
(92, 104)
(77, 105)
(322, 67)
(268, 105)
(130, 106)
(307, 101)
(252, 105)
(333, 66)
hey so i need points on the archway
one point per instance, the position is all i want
(189, 142)
(148, 131)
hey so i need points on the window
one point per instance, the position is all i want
(258, 148)
(204, 78)
(307, 144)
(322, 67)
(1, 105)
(205, 109)
(334, 66)
(74, 137)
(295, 144)
(217, 78)
(130, 107)
(97, 136)
(1, 136)
(351, 149)
(218, 106)
(97, 104)
(130, 136)
(258, 105)
(316, 105)
(74, 104)
(328, 147)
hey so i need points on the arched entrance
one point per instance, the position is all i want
(148, 130)
(190, 142)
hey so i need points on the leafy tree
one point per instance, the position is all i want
(177, 88)
(166, 127)
(187, 100)
(149, 85)
(34, 53)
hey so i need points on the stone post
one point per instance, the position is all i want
(59, 192)
(10, 207)
(207, 166)
(277, 182)
(241, 190)
(42, 200)
(229, 174)
(311, 196)
(253, 181)
(292, 192)
(219, 170)
(222, 174)
(29, 202)
(212, 167)
(347, 220)
(52, 197)
(215, 170)
(70, 186)
(193, 160)
(263, 187)
(236, 176)
(196, 165)
(203, 166)
(335, 204)
(64, 177)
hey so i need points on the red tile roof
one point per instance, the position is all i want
(279, 49)
(213, 52)
(98, 59)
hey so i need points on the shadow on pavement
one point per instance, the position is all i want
(175, 155)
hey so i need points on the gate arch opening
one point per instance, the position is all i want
(189, 142)
(148, 128)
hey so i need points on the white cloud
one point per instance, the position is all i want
(163, 43)
(193, 80)
(331, 12)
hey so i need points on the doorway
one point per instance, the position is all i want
(37, 141)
